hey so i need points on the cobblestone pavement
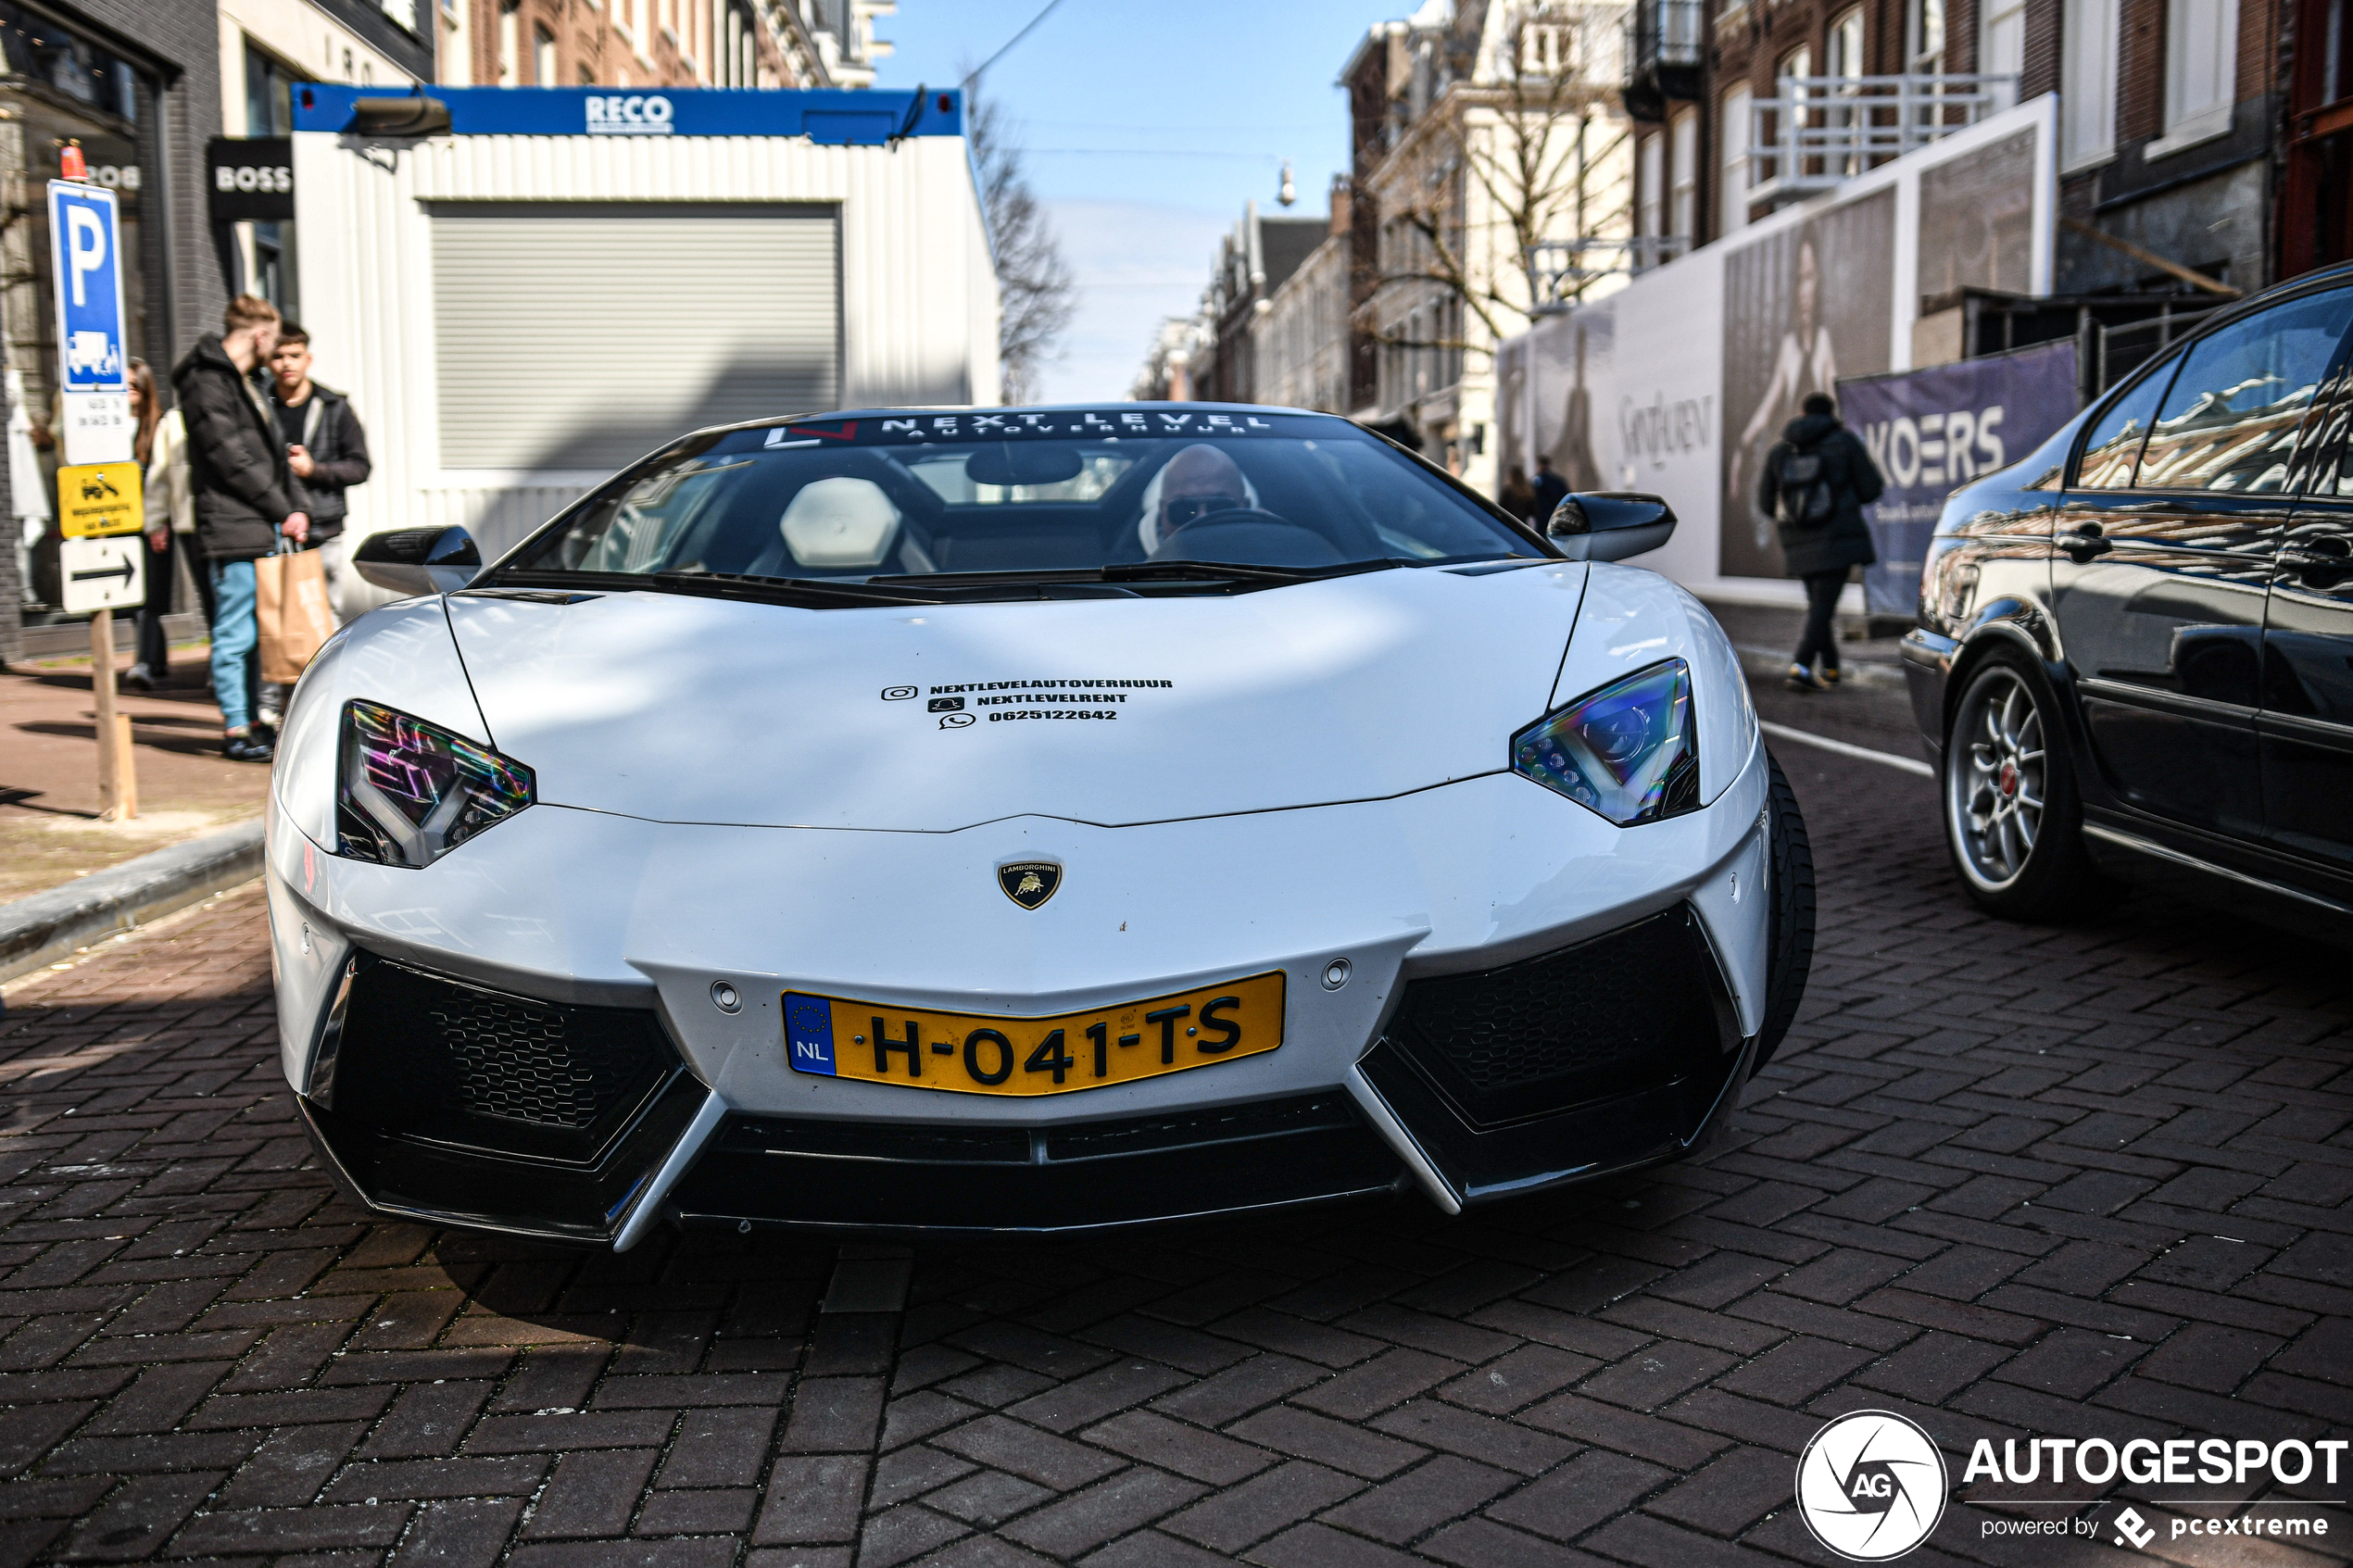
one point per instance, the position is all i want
(2092, 1182)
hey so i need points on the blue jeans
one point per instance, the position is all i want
(236, 638)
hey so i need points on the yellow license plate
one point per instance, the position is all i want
(982, 1054)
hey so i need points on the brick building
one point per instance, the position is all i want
(661, 42)
(2172, 118)
(1474, 126)
(2177, 154)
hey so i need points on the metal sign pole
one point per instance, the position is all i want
(98, 484)
(118, 773)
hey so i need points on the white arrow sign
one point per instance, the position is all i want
(106, 573)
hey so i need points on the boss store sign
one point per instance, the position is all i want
(250, 179)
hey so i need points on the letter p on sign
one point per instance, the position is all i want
(85, 250)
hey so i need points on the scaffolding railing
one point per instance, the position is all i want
(1823, 130)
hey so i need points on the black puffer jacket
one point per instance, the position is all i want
(338, 448)
(1853, 479)
(236, 464)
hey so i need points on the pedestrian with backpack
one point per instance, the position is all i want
(1814, 485)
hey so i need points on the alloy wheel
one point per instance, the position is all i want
(1996, 774)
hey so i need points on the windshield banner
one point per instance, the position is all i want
(1097, 424)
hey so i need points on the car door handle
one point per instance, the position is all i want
(2083, 543)
(2329, 555)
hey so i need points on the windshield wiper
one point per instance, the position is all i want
(955, 583)
(806, 592)
(815, 593)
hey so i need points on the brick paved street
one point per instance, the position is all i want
(2093, 1181)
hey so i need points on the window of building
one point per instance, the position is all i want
(1682, 165)
(1924, 38)
(543, 58)
(2001, 48)
(1842, 53)
(267, 259)
(509, 41)
(1734, 133)
(1650, 184)
(2087, 86)
(2201, 68)
(269, 95)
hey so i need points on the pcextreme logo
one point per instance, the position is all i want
(1871, 1486)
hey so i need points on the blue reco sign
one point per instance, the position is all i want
(829, 118)
(1932, 431)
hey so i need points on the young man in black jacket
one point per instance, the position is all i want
(246, 499)
(328, 452)
(1815, 482)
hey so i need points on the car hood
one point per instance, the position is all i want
(933, 717)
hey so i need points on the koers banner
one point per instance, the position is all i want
(1932, 431)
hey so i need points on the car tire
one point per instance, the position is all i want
(2013, 817)
(1789, 943)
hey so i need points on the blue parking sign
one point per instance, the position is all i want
(84, 260)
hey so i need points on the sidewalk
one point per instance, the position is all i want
(50, 834)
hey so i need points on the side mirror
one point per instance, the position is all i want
(1609, 524)
(419, 560)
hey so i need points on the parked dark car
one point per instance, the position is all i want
(2135, 649)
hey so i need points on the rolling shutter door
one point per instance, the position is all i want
(584, 335)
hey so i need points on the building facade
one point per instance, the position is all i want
(266, 46)
(1492, 176)
(136, 83)
(2202, 145)
(661, 42)
(1300, 343)
(1213, 354)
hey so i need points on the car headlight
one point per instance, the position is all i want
(407, 792)
(1629, 751)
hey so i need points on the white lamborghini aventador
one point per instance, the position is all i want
(1003, 821)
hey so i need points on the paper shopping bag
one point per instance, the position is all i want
(290, 603)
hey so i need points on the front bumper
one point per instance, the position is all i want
(1535, 998)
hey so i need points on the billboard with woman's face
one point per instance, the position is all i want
(1802, 306)
(1681, 382)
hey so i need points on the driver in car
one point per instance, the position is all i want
(1199, 482)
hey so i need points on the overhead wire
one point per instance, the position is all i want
(1027, 29)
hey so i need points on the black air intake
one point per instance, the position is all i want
(423, 1055)
(1638, 1008)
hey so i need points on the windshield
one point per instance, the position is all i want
(933, 496)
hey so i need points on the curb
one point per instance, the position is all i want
(48, 926)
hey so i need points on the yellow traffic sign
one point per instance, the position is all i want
(99, 498)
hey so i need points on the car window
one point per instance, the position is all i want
(1080, 491)
(2114, 445)
(2231, 420)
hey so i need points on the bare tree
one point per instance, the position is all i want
(1532, 137)
(1034, 292)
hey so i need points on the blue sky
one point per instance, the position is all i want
(1149, 122)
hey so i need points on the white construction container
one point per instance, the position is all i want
(565, 278)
